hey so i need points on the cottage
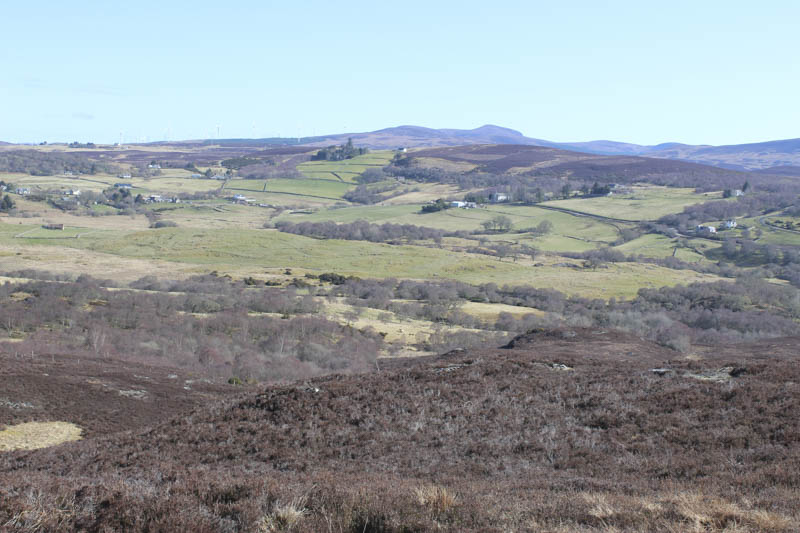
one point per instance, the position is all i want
(155, 198)
(730, 224)
(125, 176)
(458, 204)
(22, 191)
(738, 192)
(498, 197)
(706, 229)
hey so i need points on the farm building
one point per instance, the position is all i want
(54, 226)
(123, 186)
(22, 191)
(730, 224)
(706, 229)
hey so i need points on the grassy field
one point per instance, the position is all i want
(44, 183)
(35, 435)
(643, 203)
(570, 233)
(242, 252)
(348, 170)
(297, 187)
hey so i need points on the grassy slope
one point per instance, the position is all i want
(243, 252)
(347, 170)
(644, 203)
(570, 233)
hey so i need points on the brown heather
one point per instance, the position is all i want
(566, 431)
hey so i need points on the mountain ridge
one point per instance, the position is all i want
(749, 156)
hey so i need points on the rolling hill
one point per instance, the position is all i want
(561, 430)
(750, 156)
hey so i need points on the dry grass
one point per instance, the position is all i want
(436, 498)
(35, 435)
(284, 516)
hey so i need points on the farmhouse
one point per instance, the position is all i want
(458, 204)
(706, 229)
(730, 224)
(155, 198)
(54, 226)
(125, 176)
(498, 197)
(123, 186)
(22, 191)
(738, 192)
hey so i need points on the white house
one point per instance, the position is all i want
(738, 192)
(123, 186)
(125, 176)
(458, 204)
(706, 229)
(22, 191)
(155, 198)
(730, 224)
(498, 197)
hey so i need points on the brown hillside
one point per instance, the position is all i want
(553, 161)
(566, 430)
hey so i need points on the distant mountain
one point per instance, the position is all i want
(754, 156)
(417, 136)
(744, 157)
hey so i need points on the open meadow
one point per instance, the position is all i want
(638, 203)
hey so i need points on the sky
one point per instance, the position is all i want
(708, 72)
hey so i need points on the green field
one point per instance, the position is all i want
(255, 252)
(660, 246)
(642, 203)
(39, 233)
(298, 187)
(348, 170)
(44, 183)
(570, 233)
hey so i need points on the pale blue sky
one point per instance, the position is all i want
(697, 72)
